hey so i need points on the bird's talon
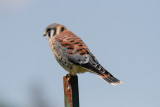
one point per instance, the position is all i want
(68, 77)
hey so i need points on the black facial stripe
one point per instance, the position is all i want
(62, 29)
(49, 32)
(55, 31)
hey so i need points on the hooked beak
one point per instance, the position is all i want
(45, 33)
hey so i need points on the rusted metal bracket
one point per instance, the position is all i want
(71, 93)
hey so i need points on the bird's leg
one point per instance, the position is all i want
(69, 76)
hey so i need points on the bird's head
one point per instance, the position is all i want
(53, 30)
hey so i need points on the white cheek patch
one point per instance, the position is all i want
(52, 33)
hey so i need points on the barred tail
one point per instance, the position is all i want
(110, 78)
(102, 72)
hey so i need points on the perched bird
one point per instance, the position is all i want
(73, 54)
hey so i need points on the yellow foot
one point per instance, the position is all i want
(69, 76)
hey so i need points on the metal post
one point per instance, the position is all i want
(71, 93)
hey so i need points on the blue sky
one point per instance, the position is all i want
(124, 36)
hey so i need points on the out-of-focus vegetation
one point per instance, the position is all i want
(5, 104)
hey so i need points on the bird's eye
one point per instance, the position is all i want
(51, 33)
(48, 33)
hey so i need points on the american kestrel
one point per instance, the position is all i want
(73, 54)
